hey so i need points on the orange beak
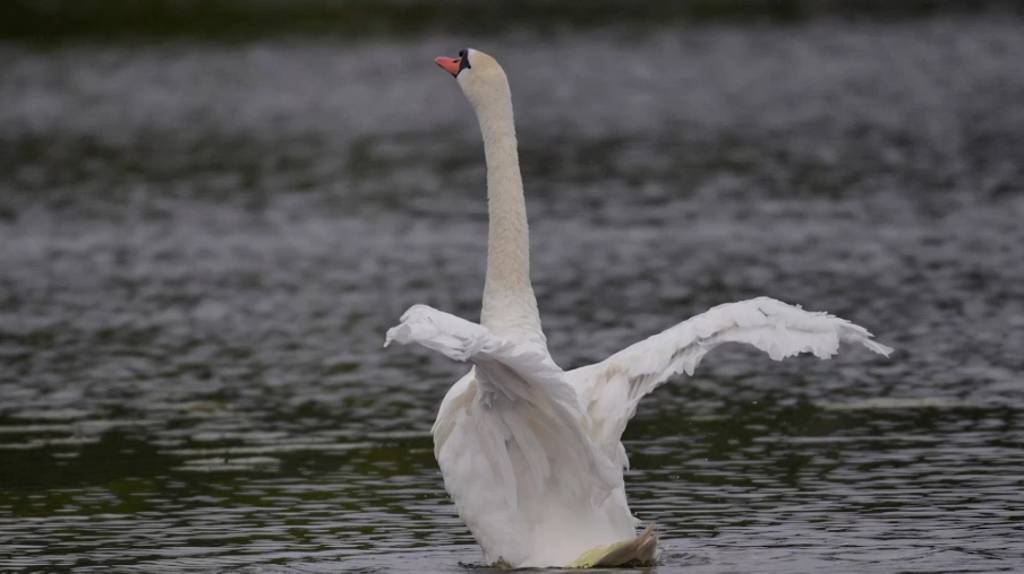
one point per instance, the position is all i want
(450, 65)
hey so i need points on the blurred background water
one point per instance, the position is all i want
(210, 216)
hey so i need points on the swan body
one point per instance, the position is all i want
(531, 454)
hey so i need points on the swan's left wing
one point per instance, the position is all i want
(523, 393)
(611, 389)
(507, 369)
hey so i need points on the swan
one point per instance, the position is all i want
(531, 454)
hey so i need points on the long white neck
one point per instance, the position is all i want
(509, 305)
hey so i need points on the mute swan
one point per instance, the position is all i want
(531, 454)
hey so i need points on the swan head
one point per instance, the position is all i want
(479, 75)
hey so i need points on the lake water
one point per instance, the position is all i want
(202, 244)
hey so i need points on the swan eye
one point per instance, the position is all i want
(464, 59)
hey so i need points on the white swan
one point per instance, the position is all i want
(531, 454)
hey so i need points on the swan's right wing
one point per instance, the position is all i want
(611, 389)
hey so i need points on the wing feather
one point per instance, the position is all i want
(611, 389)
(522, 389)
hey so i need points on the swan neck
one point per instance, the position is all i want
(509, 304)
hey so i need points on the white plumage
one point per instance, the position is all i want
(532, 455)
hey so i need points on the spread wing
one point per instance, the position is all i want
(611, 389)
(523, 395)
(513, 446)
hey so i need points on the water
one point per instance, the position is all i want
(202, 244)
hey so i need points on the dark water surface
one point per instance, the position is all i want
(201, 246)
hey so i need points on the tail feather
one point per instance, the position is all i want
(642, 550)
